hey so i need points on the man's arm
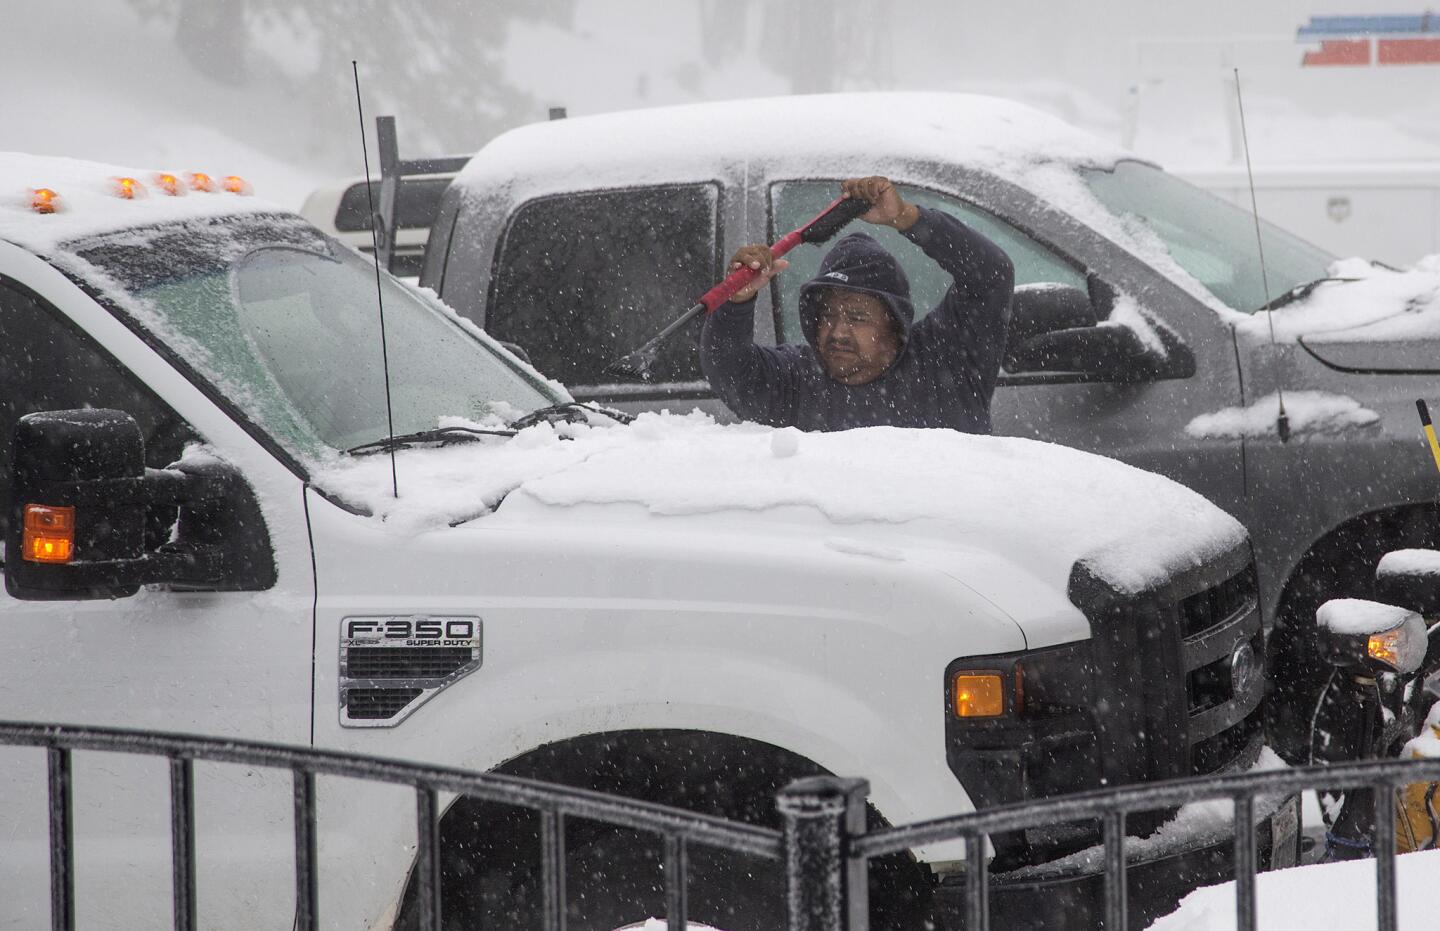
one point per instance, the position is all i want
(974, 315)
(757, 382)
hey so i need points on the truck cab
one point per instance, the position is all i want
(1140, 327)
(234, 505)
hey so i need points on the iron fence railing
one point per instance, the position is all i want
(823, 846)
(679, 829)
(1110, 806)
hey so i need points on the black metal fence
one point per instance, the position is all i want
(1111, 806)
(824, 847)
(679, 829)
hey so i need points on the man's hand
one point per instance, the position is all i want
(759, 258)
(886, 206)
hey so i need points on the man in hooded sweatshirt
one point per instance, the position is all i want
(865, 361)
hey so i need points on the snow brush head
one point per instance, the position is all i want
(634, 366)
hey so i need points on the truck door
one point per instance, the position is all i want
(1141, 422)
(214, 663)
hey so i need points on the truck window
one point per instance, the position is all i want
(48, 364)
(417, 204)
(794, 202)
(584, 278)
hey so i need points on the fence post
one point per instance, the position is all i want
(827, 888)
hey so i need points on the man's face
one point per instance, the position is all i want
(855, 335)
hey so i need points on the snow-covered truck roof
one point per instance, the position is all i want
(819, 132)
(90, 198)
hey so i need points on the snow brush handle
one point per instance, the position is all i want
(820, 228)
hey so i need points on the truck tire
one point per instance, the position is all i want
(490, 853)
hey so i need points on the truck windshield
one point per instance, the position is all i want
(283, 322)
(1210, 238)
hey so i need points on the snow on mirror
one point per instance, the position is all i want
(285, 325)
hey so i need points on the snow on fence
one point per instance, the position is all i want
(824, 847)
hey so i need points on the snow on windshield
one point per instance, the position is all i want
(1043, 505)
(1376, 304)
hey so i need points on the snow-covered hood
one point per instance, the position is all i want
(965, 503)
(1371, 318)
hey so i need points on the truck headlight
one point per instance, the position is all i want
(1039, 683)
(979, 693)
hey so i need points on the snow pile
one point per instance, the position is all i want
(1310, 412)
(1409, 562)
(88, 204)
(1043, 505)
(1377, 304)
(1307, 898)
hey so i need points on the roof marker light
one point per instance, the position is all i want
(238, 185)
(44, 200)
(200, 181)
(169, 184)
(128, 188)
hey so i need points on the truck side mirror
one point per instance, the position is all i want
(78, 506)
(1056, 329)
(1370, 637)
(1410, 578)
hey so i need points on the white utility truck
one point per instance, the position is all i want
(205, 532)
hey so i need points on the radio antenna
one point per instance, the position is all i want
(1282, 422)
(379, 294)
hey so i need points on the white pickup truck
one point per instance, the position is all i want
(204, 533)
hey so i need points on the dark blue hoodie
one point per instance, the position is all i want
(944, 373)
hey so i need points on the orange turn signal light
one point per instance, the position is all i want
(44, 200)
(236, 185)
(199, 181)
(169, 184)
(128, 188)
(48, 534)
(979, 694)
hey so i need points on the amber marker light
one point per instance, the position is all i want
(128, 188)
(169, 184)
(1385, 647)
(49, 533)
(200, 181)
(44, 200)
(979, 694)
(237, 185)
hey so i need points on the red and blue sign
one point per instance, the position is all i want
(1372, 40)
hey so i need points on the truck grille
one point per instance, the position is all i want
(405, 662)
(1222, 654)
(376, 704)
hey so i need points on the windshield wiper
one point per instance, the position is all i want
(565, 412)
(1299, 292)
(569, 412)
(444, 436)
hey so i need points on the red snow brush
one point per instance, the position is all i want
(636, 365)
